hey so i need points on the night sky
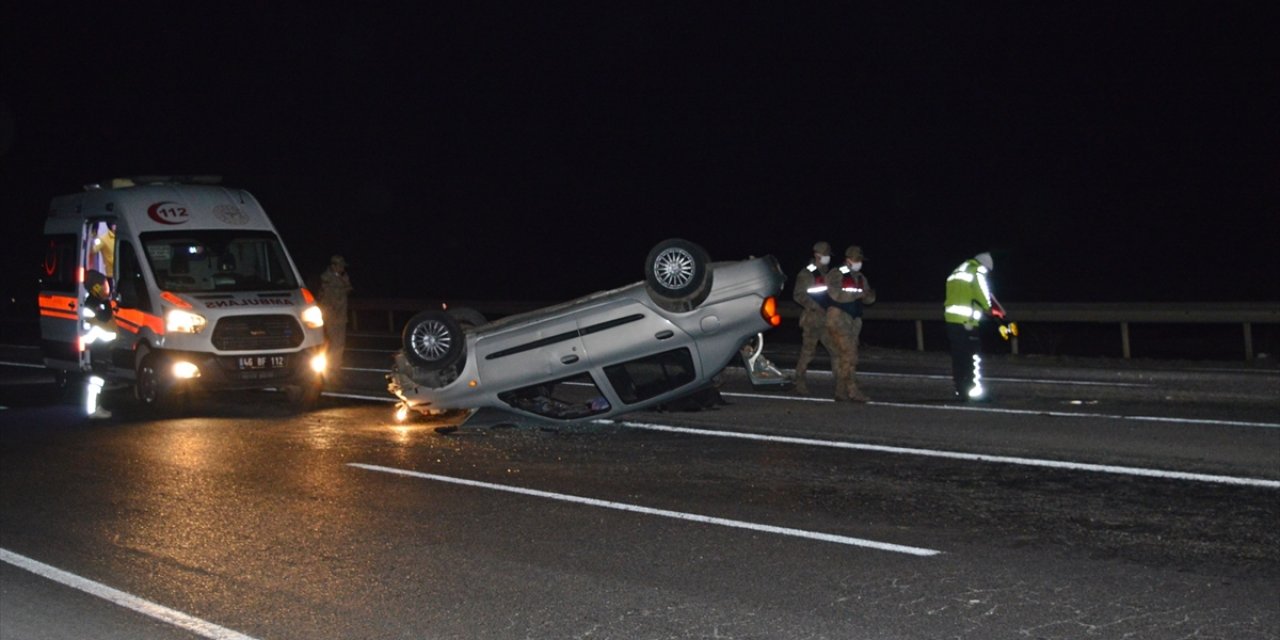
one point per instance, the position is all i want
(533, 151)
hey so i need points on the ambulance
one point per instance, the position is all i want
(202, 294)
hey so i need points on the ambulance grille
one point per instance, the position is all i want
(257, 333)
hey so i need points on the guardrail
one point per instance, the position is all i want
(392, 314)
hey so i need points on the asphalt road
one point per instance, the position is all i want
(1090, 499)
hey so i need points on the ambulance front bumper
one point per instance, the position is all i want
(253, 371)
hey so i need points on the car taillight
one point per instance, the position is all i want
(770, 311)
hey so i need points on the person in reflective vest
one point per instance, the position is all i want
(810, 293)
(968, 301)
(99, 329)
(849, 290)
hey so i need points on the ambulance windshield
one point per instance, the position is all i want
(194, 261)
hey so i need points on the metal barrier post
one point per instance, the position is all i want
(1124, 339)
(919, 335)
(1248, 341)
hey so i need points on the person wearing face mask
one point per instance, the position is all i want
(968, 301)
(811, 294)
(849, 290)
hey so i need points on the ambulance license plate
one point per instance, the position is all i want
(253, 363)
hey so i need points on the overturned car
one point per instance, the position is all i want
(598, 356)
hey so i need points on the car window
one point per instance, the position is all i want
(564, 399)
(651, 376)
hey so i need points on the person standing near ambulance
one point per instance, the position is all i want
(849, 291)
(968, 301)
(811, 294)
(98, 316)
(335, 285)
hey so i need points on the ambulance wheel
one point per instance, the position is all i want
(305, 396)
(152, 390)
(433, 340)
(676, 274)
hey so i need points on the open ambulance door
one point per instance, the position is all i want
(67, 260)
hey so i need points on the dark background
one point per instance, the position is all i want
(535, 151)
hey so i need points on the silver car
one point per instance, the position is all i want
(595, 357)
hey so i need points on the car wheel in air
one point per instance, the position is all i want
(676, 274)
(433, 340)
(467, 317)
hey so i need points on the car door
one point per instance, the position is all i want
(638, 352)
(548, 349)
(625, 330)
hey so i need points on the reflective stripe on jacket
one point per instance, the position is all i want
(848, 290)
(968, 294)
(811, 288)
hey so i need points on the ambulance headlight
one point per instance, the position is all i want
(312, 317)
(181, 321)
(184, 370)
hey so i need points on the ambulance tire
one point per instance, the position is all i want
(677, 274)
(433, 340)
(66, 386)
(152, 390)
(305, 396)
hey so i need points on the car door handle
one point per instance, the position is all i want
(664, 334)
(569, 359)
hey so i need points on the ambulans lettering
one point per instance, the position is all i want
(250, 302)
(168, 213)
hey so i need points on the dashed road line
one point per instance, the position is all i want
(691, 517)
(202, 628)
(1019, 412)
(958, 455)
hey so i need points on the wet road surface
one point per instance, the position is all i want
(1088, 500)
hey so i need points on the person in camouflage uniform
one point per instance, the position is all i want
(811, 294)
(335, 285)
(849, 291)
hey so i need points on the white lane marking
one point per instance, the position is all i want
(202, 628)
(956, 455)
(25, 365)
(1084, 383)
(692, 517)
(1021, 412)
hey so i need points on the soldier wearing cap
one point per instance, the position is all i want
(335, 285)
(849, 291)
(811, 294)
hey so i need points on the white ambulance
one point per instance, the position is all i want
(202, 293)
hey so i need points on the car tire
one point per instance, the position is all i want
(677, 274)
(468, 318)
(433, 340)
